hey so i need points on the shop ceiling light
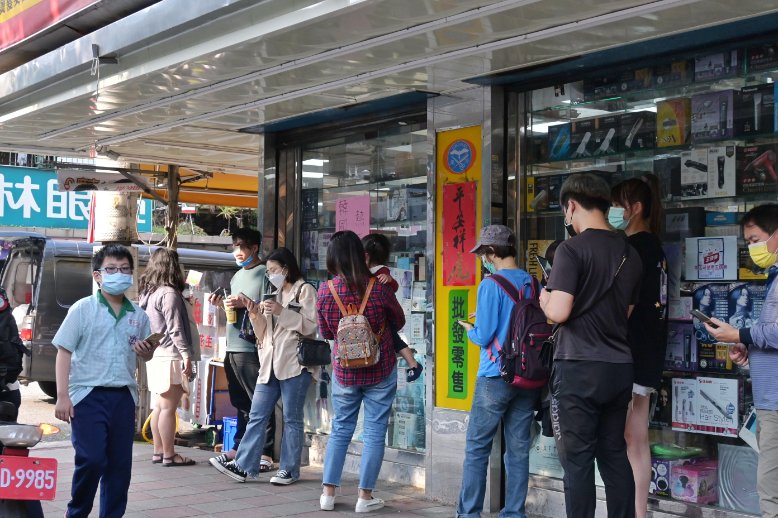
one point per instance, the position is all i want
(344, 50)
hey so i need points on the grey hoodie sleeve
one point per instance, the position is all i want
(173, 309)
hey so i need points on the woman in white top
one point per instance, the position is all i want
(278, 323)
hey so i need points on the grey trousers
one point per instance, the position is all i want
(767, 472)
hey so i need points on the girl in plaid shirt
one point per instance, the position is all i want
(374, 386)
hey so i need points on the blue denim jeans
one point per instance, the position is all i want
(346, 401)
(292, 392)
(495, 400)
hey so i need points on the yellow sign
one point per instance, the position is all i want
(457, 272)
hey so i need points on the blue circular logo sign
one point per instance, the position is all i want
(460, 156)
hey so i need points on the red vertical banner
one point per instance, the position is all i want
(459, 234)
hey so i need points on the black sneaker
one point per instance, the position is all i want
(283, 478)
(230, 469)
(413, 373)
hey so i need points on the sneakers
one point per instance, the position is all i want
(366, 506)
(413, 373)
(327, 503)
(223, 458)
(282, 478)
(231, 470)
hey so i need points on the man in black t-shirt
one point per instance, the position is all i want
(591, 291)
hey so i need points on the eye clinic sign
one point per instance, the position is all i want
(33, 198)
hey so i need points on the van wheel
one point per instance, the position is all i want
(49, 388)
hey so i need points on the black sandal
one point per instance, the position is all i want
(182, 461)
(156, 458)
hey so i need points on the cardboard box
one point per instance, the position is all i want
(676, 73)
(746, 301)
(661, 470)
(684, 416)
(673, 122)
(668, 170)
(696, 483)
(762, 57)
(717, 66)
(721, 170)
(755, 110)
(713, 116)
(694, 173)
(713, 300)
(559, 141)
(681, 352)
(718, 406)
(747, 270)
(711, 258)
(633, 80)
(722, 230)
(756, 169)
(537, 148)
(682, 223)
(582, 138)
(717, 218)
(554, 185)
(637, 131)
(714, 357)
(606, 135)
(663, 409)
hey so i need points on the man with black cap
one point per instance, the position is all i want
(493, 399)
(590, 293)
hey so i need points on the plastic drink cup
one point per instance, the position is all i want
(232, 314)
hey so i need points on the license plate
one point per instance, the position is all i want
(27, 478)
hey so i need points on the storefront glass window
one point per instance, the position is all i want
(373, 181)
(705, 126)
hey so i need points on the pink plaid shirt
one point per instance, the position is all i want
(382, 309)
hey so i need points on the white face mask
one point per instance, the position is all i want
(277, 279)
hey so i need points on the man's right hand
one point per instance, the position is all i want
(63, 410)
(215, 299)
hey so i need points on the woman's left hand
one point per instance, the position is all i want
(723, 332)
(271, 307)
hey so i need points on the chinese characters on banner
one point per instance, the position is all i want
(32, 198)
(458, 217)
(459, 238)
(457, 345)
(20, 19)
(353, 213)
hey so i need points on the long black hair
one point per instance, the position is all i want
(646, 191)
(346, 257)
(286, 259)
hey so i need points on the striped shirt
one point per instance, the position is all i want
(762, 341)
(382, 310)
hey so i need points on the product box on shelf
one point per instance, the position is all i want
(663, 409)
(722, 230)
(605, 85)
(755, 110)
(694, 173)
(661, 470)
(714, 357)
(747, 270)
(681, 352)
(713, 300)
(537, 193)
(582, 138)
(737, 476)
(676, 73)
(537, 148)
(673, 122)
(711, 258)
(718, 406)
(756, 169)
(684, 411)
(637, 131)
(639, 79)
(714, 218)
(697, 483)
(606, 135)
(559, 141)
(554, 186)
(721, 170)
(668, 170)
(762, 57)
(679, 303)
(682, 223)
(712, 115)
(745, 303)
(720, 65)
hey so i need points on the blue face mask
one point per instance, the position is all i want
(245, 263)
(489, 266)
(616, 218)
(117, 283)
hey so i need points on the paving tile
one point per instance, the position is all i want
(224, 506)
(293, 508)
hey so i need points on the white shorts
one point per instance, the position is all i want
(161, 373)
(640, 390)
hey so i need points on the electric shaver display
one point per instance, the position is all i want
(712, 116)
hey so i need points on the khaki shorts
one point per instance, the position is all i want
(161, 373)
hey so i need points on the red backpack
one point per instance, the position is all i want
(521, 357)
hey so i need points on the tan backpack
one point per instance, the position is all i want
(358, 345)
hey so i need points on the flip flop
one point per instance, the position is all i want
(265, 466)
(156, 458)
(178, 460)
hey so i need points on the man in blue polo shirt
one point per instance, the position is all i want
(98, 344)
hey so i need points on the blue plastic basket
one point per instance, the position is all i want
(230, 426)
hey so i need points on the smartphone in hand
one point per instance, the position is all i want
(154, 339)
(702, 317)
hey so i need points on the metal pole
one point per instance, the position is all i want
(171, 225)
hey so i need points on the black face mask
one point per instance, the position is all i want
(569, 226)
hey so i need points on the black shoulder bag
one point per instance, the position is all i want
(311, 352)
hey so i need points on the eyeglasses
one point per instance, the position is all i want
(110, 270)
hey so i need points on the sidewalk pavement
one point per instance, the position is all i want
(202, 491)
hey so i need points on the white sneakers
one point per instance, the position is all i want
(365, 506)
(327, 503)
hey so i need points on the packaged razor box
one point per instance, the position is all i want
(714, 357)
(762, 57)
(721, 170)
(677, 73)
(638, 131)
(755, 110)
(712, 116)
(668, 170)
(681, 352)
(582, 138)
(559, 141)
(606, 135)
(716, 66)
(673, 122)
(756, 169)
(694, 173)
